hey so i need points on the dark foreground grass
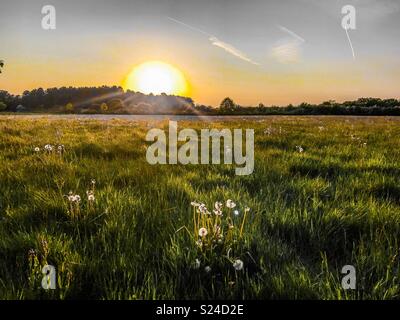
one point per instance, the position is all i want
(335, 204)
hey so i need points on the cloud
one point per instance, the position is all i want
(288, 50)
(292, 34)
(232, 50)
(218, 43)
(286, 53)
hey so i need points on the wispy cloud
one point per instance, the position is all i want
(231, 49)
(288, 50)
(218, 43)
(292, 33)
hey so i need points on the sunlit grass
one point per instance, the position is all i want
(335, 201)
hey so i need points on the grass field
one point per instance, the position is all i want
(336, 203)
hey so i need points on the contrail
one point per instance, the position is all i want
(190, 27)
(218, 43)
(293, 34)
(232, 50)
(351, 45)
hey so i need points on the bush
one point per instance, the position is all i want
(227, 105)
(3, 106)
(69, 107)
(104, 107)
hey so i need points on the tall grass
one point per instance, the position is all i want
(335, 203)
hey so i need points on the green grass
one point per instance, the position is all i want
(335, 204)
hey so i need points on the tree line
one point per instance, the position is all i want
(361, 106)
(91, 100)
(114, 100)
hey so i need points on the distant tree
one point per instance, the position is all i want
(3, 106)
(227, 105)
(116, 105)
(1, 65)
(143, 107)
(104, 107)
(20, 108)
(69, 107)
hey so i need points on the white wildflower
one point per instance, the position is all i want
(207, 269)
(71, 197)
(90, 196)
(203, 209)
(218, 206)
(230, 204)
(197, 264)
(203, 232)
(300, 149)
(48, 147)
(238, 264)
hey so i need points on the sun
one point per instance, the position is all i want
(156, 77)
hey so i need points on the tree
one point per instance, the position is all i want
(116, 105)
(1, 65)
(69, 107)
(104, 107)
(227, 105)
(3, 106)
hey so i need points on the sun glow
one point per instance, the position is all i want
(156, 77)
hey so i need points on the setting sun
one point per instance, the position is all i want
(156, 77)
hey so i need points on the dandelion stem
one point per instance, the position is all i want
(244, 219)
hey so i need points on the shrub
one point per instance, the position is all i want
(69, 107)
(3, 106)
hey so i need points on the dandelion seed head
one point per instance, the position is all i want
(203, 209)
(48, 147)
(218, 206)
(238, 264)
(300, 149)
(230, 204)
(31, 253)
(203, 232)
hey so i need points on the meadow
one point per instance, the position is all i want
(325, 193)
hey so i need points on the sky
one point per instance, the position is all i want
(274, 52)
